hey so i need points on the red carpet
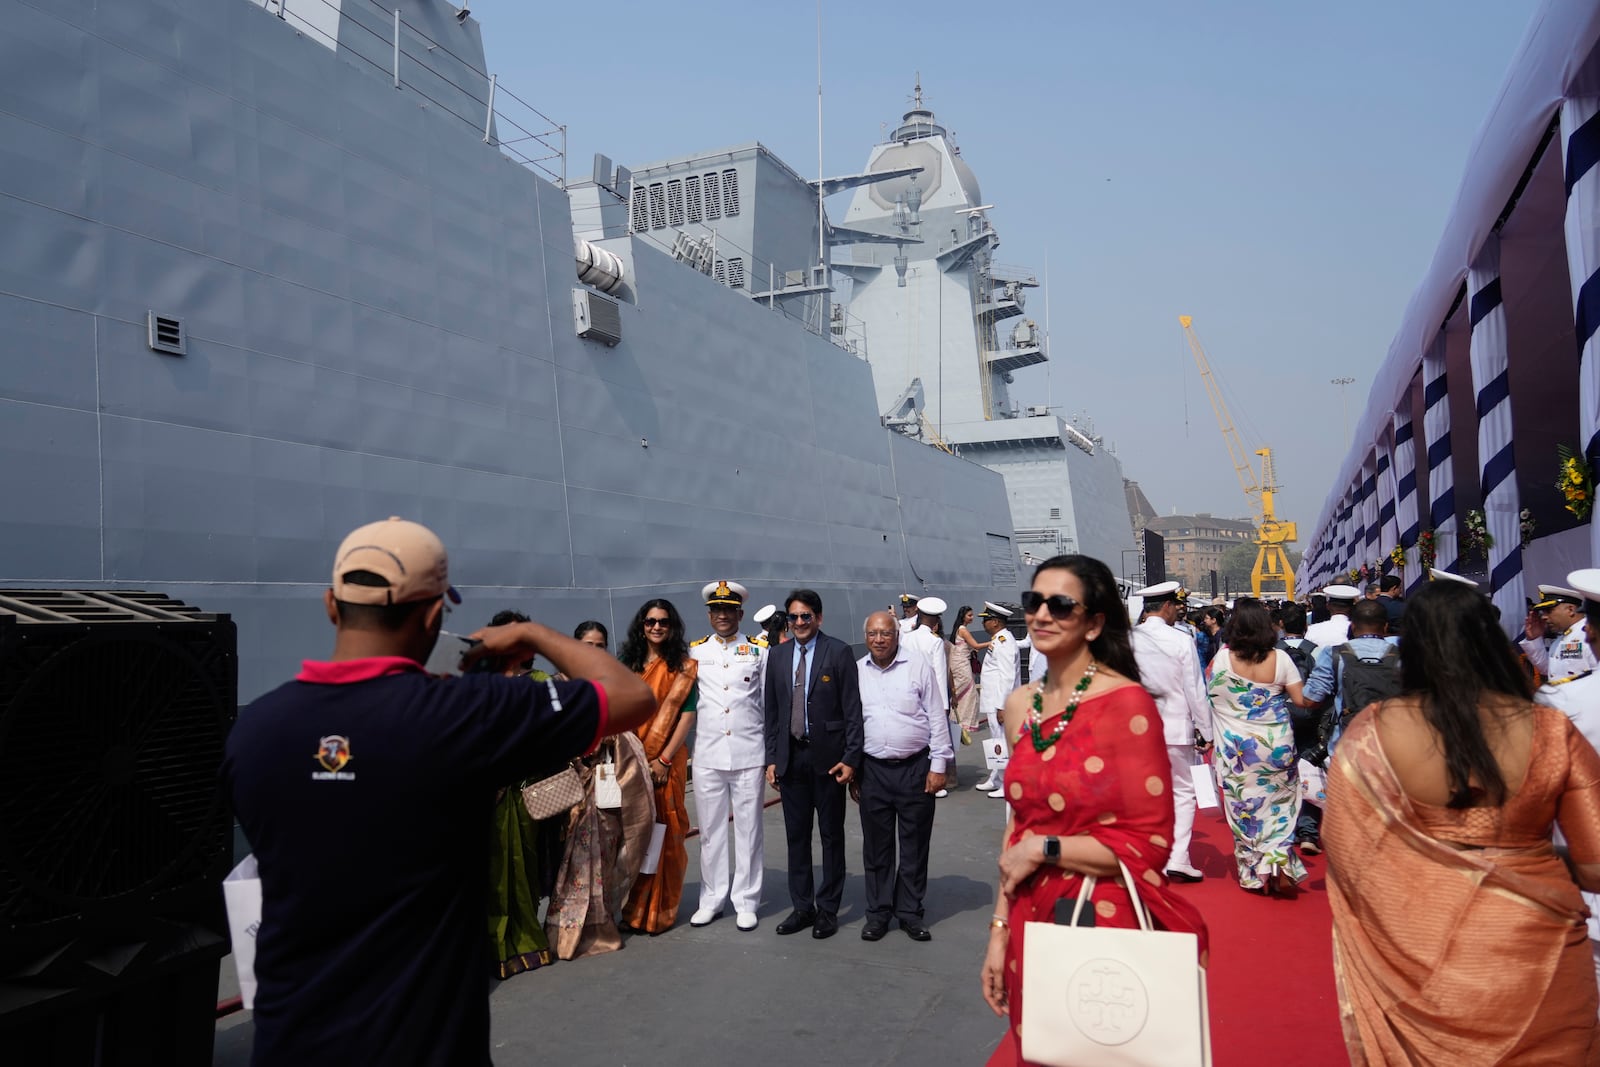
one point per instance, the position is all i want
(1271, 979)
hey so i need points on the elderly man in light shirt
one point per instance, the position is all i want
(907, 746)
(1169, 670)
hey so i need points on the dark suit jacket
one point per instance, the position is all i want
(833, 704)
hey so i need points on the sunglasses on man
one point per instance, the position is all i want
(800, 616)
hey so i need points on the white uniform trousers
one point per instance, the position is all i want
(1183, 804)
(716, 794)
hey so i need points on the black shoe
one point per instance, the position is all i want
(797, 921)
(1182, 876)
(1309, 845)
(826, 925)
(874, 931)
(915, 930)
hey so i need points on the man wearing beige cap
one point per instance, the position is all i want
(366, 786)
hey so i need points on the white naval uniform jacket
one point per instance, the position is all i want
(1170, 672)
(935, 650)
(730, 721)
(1563, 656)
(1329, 632)
(999, 675)
(1578, 697)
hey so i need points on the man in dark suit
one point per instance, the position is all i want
(814, 749)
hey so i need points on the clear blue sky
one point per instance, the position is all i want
(1280, 171)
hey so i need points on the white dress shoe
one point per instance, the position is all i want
(746, 920)
(997, 793)
(941, 794)
(703, 917)
(986, 785)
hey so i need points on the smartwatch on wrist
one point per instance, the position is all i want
(1052, 849)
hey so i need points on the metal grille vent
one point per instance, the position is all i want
(674, 203)
(730, 193)
(641, 213)
(720, 273)
(166, 334)
(691, 186)
(658, 207)
(595, 317)
(736, 272)
(713, 196)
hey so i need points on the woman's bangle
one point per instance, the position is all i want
(997, 923)
(663, 761)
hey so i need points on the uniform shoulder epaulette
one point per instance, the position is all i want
(702, 641)
(759, 640)
(1571, 678)
(1000, 637)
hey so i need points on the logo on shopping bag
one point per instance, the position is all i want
(1107, 1001)
(333, 752)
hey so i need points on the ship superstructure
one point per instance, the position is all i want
(949, 327)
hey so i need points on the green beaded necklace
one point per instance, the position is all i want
(1036, 719)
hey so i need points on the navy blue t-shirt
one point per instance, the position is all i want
(366, 789)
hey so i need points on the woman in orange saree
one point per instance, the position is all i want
(1089, 771)
(655, 648)
(1459, 932)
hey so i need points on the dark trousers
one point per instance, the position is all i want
(895, 805)
(1310, 822)
(808, 790)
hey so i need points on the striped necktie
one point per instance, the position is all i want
(797, 697)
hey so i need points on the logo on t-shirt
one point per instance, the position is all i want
(333, 752)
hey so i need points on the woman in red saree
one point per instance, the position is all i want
(1458, 930)
(655, 648)
(1089, 771)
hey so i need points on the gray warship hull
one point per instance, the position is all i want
(375, 308)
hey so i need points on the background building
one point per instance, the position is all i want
(1196, 545)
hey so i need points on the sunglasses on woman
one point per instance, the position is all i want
(1061, 606)
(652, 624)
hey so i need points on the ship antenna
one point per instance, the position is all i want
(822, 232)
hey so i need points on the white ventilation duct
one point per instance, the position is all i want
(598, 268)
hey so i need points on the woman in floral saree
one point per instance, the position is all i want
(1251, 689)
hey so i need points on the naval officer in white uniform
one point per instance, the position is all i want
(936, 651)
(1578, 696)
(730, 758)
(1334, 630)
(1556, 642)
(996, 681)
(1170, 671)
(908, 613)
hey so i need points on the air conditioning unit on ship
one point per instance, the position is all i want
(1035, 410)
(596, 318)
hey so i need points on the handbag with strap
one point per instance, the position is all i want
(555, 795)
(1112, 997)
(607, 786)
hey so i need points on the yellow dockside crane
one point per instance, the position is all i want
(1272, 561)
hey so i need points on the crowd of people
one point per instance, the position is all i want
(1429, 756)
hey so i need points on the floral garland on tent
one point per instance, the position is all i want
(1528, 526)
(1427, 549)
(1397, 557)
(1475, 536)
(1576, 482)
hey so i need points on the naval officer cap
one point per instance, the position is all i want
(991, 610)
(724, 593)
(932, 605)
(1551, 595)
(1342, 592)
(765, 613)
(1158, 594)
(1587, 582)
(908, 598)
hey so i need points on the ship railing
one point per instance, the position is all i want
(379, 36)
(1000, 273)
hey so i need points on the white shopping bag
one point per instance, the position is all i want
(995, 756)
(1313, 783)
(1205, 790)
(652, 856)
(241, 891)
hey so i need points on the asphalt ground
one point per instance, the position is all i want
(717, 995)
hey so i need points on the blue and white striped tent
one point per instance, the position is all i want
(1496, 364)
